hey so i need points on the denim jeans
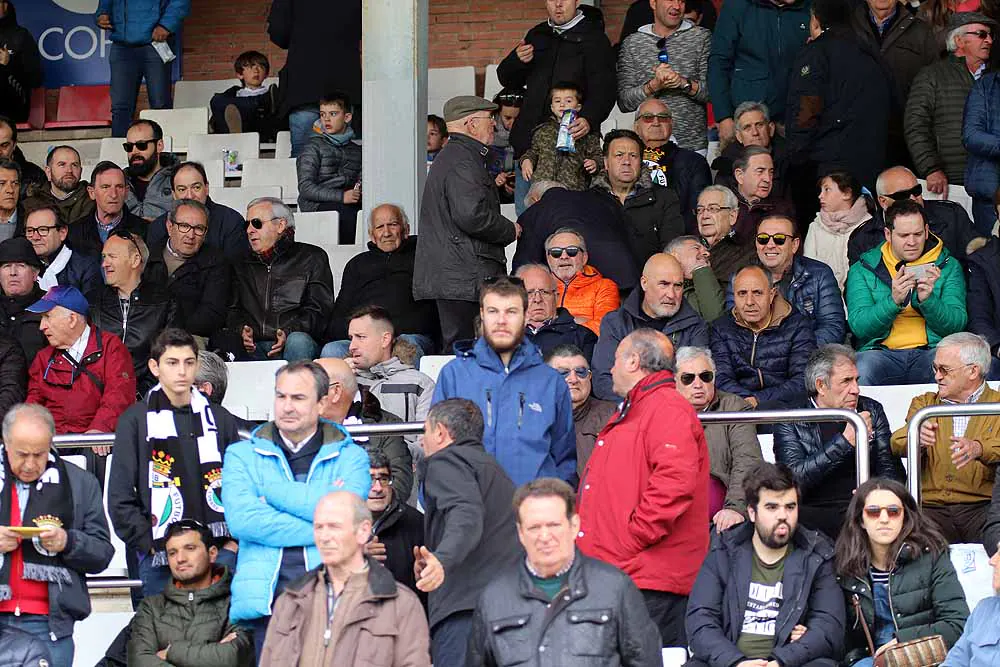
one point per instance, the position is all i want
(259, 628)
(129, 66)
(300, 124)
(984, 216)
(60, 650)
(339, 349)
(298, 346)
(450, 639)
(882, 367)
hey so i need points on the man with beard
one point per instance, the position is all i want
(149, 189)
(771, 624)
(46, 230)
(109, 189)
(66, 192)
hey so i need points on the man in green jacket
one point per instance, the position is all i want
(904, 296)
(188, 624)
(702, 290)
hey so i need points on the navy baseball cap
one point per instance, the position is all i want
(61, 295)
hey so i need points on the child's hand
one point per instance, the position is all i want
(527, 169)
(590, 166)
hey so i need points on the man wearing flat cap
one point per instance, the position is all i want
(933, 120)
(19, 269)
(462, 234)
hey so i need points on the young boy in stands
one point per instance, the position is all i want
(329, 166)
(251, 106)
(545, 161)
(437, 137)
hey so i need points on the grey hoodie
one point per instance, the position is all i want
(402, 390)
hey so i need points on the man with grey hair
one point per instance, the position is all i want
(537, 191)
(717, 211)
(282, 294)
(701, 288)
(959, 454)
(644, 493)
(43, 577)
(546, 324)
(932, 123)
(583, 291)
(822, 455)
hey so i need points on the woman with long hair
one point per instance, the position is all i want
(842, 209)
(896, 574)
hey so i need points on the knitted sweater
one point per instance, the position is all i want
(688, 49)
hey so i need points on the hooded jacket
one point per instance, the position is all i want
(651, 214)
(983, 297)
(526, 408)
(77, 205)
(563, 329)
(400, 389)
(766, 364)
(24, 70)
(133, 20)
(684, 328)
(589, 294)
(159, 197)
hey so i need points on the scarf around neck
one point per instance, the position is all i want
(844, 222)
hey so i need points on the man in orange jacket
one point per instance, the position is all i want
(583, 291)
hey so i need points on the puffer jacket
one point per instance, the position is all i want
(192, 624)
(601, 622)
(199, 288)
(684, 328)
(933, 120)
(947, 220)
(462, 234)
(257, 468)
(21, 325)
(767, 364)
(814, 463)
(159, 198)
(325, 170)
(925, 594)
(980, 132)
(563, 167)
(753, 45)
(651, 215)
(133, 20)
(560, 330)
(19, 649)
(292, 291)
(77, 205)
(733, 449)
(589, 294)
(983, 297)
(526, 408)
(400, 388)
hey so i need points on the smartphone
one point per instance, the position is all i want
(918, 270)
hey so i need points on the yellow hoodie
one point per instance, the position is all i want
(909, 331)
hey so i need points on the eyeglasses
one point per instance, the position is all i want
(875, 511)
(540, 294)
(581, 372)
(384, 480)
(705, 376)
(711, 209)
(915, 191)
(141, 145)
(42, 232)
(572, 250)
(257, 223)
(779, 239)
(650, 117)
(981, 34)
(946, 370)
(184, 228)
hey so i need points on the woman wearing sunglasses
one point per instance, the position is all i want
(894, 568)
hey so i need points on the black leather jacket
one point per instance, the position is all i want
(598, 620)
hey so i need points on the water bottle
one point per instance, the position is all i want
(564, 141)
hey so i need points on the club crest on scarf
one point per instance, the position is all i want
(168, 503)
(213, 489)
(45, 521)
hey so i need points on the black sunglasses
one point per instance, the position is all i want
(123, 234)
(571, 250)
(915, 191)
(705, 376)
(257, 223)
(981, 34)
(141, 145)
(779, 239)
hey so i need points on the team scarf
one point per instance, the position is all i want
(50, 503)
(172, 496)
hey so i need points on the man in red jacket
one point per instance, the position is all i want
(644, 493)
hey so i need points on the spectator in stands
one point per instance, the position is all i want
(188, 623)
(570, 47)
(108, 188)
(640, 13)
(983, 296)
(462, 235)
(22, 66)
(45, 576)
(129, 307)
(658, 303)
(85, 376)
(754, 174)
(752, 126)
(650, 215)
(761, 345)
(717, 212)
(196, 276)
(227, 230)
(548, 325)
(374, 615)
(383, 276)
(273, 483)
(251, 106)
(581, 289)
(11, 209)
(469, 524)
(546, 158)
(397, 527)
(822, 455)
(680, 169)
(668, 60)
(64, 189)
(504, 375)
(136, 29)
(645, 504)
(283, 293)
(149, 170)
(934, 109)
(19, 267)
(32, 176)
(701, 288)
(902, 298)
(974, 645)
(21, 648)
(500, 159)
(47, 231)
(733, 449)
(979, 136)
(547, 527)
(843, 207)
(329, 166)
(437, 137)
(794, 613)
(589, 414)
(753, 46)
(959, 454)
(893, 564)
(168, 463)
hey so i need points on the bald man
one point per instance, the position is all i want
(658, 303)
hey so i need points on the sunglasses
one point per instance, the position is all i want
(650, 117)
(257, 223)
(141, 145)
(122, 234)
(581, 372)
(571, 250)
(981, 34)
(779, 239)
(705, 376)
(510, 100)
(875, 511)
(915, 191)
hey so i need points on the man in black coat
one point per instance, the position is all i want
(397, 527)
(983, 299)
(47, 231)
(32, 176)
(462, 234)
(20, 65)
(109, 190)
(547, 325)
(19, 267)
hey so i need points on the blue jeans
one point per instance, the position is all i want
(259, 628)
(298, 346)
(521, 188)
(129, 65)
(984, 215)
(60, 651)
(450, 639)
(300, 124)
(339, 349)
(882, 367)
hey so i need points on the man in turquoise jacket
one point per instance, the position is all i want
(272, 483)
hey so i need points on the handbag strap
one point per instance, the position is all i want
(856, 601)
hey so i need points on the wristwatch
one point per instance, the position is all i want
(687, 86)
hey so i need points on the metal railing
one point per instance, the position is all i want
(99, 584)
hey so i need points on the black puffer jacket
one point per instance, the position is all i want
(983, 295)
(651, 216)
(19, 649)
(563, 329)
(947, 220)
(200, 288)
(601, 621)
(325, 170)
(21, 325)
(462, 234)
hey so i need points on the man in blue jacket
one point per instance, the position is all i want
(529, 415)
(135, 26)
(273, 482)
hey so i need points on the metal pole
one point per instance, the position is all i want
(95, 584)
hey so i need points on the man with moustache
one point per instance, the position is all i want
(66, 191)
(149, 188)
